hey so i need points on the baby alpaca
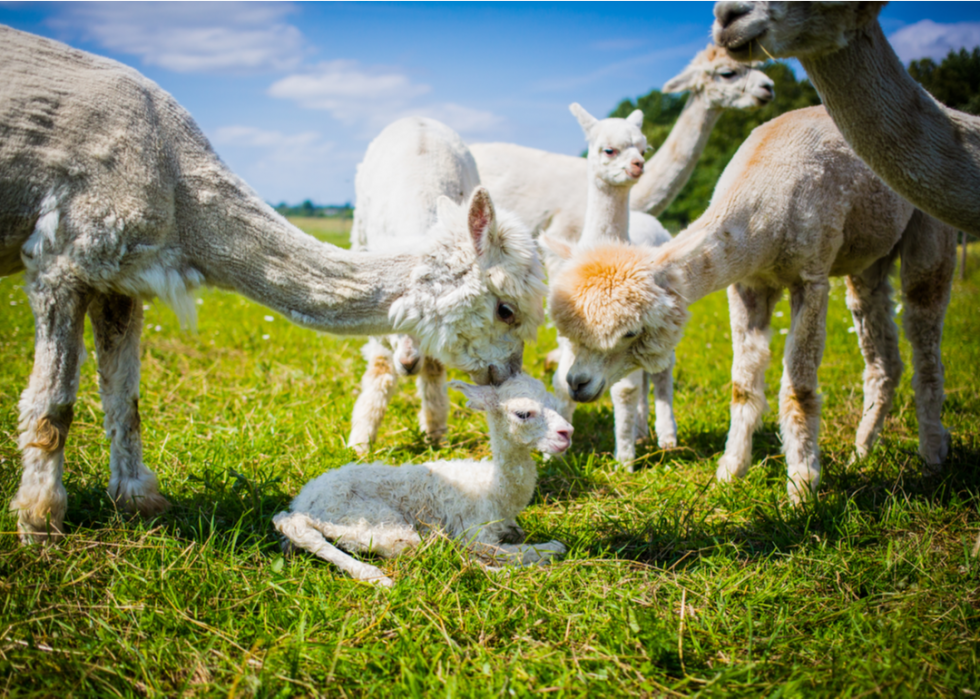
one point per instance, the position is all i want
(615, 165)
(383, 509)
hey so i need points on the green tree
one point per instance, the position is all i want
(660, 111)
(955, 82)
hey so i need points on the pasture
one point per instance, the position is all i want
(672, 586)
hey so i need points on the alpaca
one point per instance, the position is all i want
(405, 170)
(926, 152)
(794, 207)
(383, 509)
(109, 192)
(547, 189)
(615, 163)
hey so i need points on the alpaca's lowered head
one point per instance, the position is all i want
(616, 311)
(616, 146)
(724, 82)
(760, 30)
(477, 293)
(521, 412)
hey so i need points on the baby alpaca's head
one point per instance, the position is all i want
(616, 146)
(522, 411)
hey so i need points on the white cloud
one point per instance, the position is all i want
(190, 37)
(931, 39)
(372, 98)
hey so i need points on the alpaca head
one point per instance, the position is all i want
(477, 293)
(521, 411)
(723, 82)
(616, 146)
(617, 313)
(753, 31)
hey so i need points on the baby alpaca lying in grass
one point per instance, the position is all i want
(382, 509)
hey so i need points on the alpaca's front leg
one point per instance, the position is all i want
(870, 302)
(518, 554)
(116, 323)
(663, 401)
(751, 311)
(799, 402)
(928, 261)
(47, 405)
(434, 413)
(377, 387)
(626, 398)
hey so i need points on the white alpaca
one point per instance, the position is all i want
(110, 192)
(405, 170)
(615, 164)
(548, 191)
(384, 509)
(794, 207)
(926, 152)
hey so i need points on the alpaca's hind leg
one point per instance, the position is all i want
(799, 401)
(870, 302)
(625, 398)
(47, 405)
(751, 311)
(303, 533)
(928, 261)
(377, 387)
(663, 401)
(434, 413)
(518, 554)
(116, 323)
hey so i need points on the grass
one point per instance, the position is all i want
(672, 586)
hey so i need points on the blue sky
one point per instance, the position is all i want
(291, 94)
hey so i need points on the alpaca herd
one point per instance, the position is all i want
(110, 193)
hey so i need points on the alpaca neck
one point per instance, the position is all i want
(607, 211)
(515, 472)
(239, 242)
(666, 173)
(925, 152)
(710, 255)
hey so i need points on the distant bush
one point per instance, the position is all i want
(310, 210)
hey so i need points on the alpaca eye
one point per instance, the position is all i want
(727, 74)
(631, 334)
(609, 151)
(505, 312)
(523, 415)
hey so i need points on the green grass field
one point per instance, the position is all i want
(673, 586)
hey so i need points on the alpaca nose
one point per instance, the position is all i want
(576, 381)
(566, 435)
(636, 167)
(728, 12)
(409, 364)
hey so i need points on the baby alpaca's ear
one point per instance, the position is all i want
(585, 120)
(478, 397)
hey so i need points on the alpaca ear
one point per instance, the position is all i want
(585, 120)
(679, 83)
(636, 118)
(556, 246)
(477, 397)
(480, 219)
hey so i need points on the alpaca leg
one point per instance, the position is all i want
(928, 261)
(47, 407)
(663, 401)
(116, 323)
(751, 311)
(377, 387)
(434, 414)
(518, 554)
(566, 406)
(643, 411)
(301, 531)
(799, 401)
(870, 302)
(625, 398)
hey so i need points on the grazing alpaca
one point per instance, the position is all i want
(926, 152)
(547, 190)
(794, 207)
(382, 509)
(109, 192)
(615, 164)
(406, 169)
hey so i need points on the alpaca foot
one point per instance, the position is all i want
(550, 551)
(729, 469)
(139, 496)
(39, 530)
(667, 443)
(513, 534)
(40, 513)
